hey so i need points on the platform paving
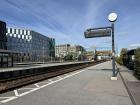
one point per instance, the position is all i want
(31, 66)
(132, 83)
(89, 86)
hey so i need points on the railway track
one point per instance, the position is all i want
(16, 81)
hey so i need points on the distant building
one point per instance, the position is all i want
(66, 49)
(77, 49)
(32, 45)
(90, 55)
(62, 50)
(104, 54)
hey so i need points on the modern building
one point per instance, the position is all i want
(32, 45)
(3, 39)
(6, 56)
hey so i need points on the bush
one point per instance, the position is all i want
(137, 63)
(122, 59)
(119, 61)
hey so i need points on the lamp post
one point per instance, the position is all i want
(112, 17)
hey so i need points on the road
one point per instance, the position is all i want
(89, 86)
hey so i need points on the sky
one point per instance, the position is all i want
(66, 20)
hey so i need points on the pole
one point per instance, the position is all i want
(43, 54)
(113, 51)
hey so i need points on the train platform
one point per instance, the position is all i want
(88, 86)
(132, 84)
(23, 66)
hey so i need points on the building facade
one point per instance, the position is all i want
(3, 39)
(65, 50)
(6, 56)
(32, 45)
(90, 55)
(78, 52)
(77, 49)
(62, 50)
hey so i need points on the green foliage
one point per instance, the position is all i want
(68, 57)
(137, 63)
(122, 59)
(119, 61)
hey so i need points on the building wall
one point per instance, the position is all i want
(66, 49)
(3, 39)
(62, 50)
(33, 45)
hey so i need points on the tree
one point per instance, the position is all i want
(68, 57)
(123, 57)
(137, 63)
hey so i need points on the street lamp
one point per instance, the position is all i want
(112, 17)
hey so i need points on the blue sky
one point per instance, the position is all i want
(66, 20)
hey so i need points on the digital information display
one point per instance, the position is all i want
(92, 33)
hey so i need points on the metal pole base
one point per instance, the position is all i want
(114, 78)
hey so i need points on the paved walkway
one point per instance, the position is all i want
(132, 83)
(90, 86)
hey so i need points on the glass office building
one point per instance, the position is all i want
(32, 45)
(3, 39)
(6, 56)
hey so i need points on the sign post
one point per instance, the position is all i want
(104, 32)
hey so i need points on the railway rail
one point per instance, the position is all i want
(14, 79)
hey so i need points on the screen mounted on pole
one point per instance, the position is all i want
(98, 32)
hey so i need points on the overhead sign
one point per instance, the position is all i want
(98, 32)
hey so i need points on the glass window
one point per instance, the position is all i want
(18, 31)
(22, 36)
(10, 34)
(29, 32)
(14, 31)
(15, 35)
(18, 36)
(10, 30)
(26, 32)
(22, 32)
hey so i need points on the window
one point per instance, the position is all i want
(22, 32)
(22, 36)
(26, 32)
(14, 31)
(10, 30)
(15, 35)
(29, 32)
(10, 34)
(18, 36)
